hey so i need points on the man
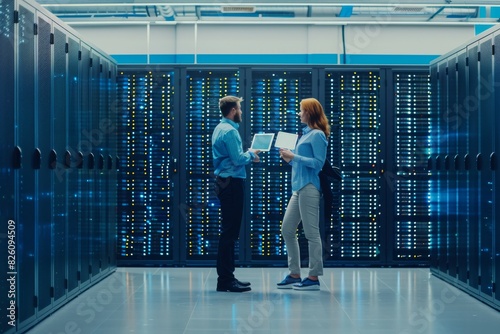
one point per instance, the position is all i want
(229, 164)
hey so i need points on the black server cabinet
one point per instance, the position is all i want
(496, 179)
(103, 141)
(70, 162)
(471, 109)
(460, 125)
(111, 127)
(59, 177)
(487, 126)
(275, 97)
(408, 177)
(449, 169)
(431, 166)
(94, 177)
(200, 208)
(353, 98)
(147, 114)
(470, 138)
(442, 194)
(85, 154)
(25, 178)
(8, 212)
(43, 171)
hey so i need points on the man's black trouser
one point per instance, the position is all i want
(231, 193)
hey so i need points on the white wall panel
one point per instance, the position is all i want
(163, 39)
(373, 39)
(114, 39)
(250, 39)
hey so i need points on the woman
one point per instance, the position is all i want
(307, 160)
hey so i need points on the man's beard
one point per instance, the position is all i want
(237, 118)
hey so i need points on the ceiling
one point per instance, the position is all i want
(276, 12)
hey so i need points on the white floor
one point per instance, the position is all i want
(351, 300)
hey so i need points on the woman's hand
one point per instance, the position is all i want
(286, 154)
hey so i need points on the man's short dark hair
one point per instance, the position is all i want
(227, 103)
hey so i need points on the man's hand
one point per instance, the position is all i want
(256, 152)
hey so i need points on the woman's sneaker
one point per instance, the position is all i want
(288, 282)
(307, 284)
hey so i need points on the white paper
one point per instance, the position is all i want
(286, 140)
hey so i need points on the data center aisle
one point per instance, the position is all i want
(351, 300)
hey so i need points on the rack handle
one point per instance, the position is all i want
(17, 157)
(52, 159)
(36, 159)
(67, 159)
(456, 159)
(91, 161)
(447, 162)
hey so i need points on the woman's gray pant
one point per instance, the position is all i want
(303, 206)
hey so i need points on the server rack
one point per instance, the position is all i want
(409, 184)
(274, 105)
(70, 162)
(25, 178)
(357, 104)
(43, 173)
(8, 225)
(486, 165)
(40, 158)
(200, 210)
(468, 256)
(496, 180)
(461, 157)
(59, 182)
(353, 100)
(148, 164)
(472, 165)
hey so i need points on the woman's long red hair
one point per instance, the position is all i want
(316, 115)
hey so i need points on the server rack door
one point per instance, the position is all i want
(112, 128)
(26, 182)
(449, 165)
(431, 165)
(94, 179)
(496, 179)
(353, 97)
(8, 216)
(410, 185)
(70, 162)
(146, 120)
(442, 183)
(84, 149)
(486, 112)
(59, 178)
(103, 170)
(460, 125)
(43, 131)
(474, 194)
(274, 104)
(200, 208)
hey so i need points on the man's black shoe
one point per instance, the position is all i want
(243, 283)
(233, 287)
